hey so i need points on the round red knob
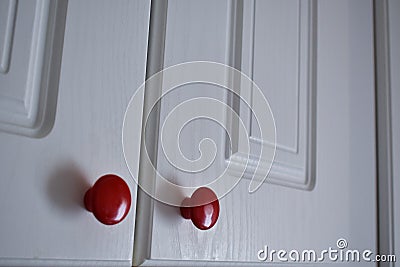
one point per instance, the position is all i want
(202, 208)
(109, 199)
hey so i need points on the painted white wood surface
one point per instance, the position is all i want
(278, 53)
(30, 50)
(7, 15)
(43, 180)
(386, 60)
(183, 43)
(342, 204)
(394, 44)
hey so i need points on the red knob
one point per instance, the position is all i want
(202, 208)
(109, 199)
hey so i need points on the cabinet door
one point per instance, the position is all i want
(313, 60)
(60, 136)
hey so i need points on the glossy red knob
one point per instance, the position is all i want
(109, 199)
(202, 208)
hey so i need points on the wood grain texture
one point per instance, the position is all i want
(342, 204)
(32, 34)
(281, 61)
(43, 180)
(155, 63)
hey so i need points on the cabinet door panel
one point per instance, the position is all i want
(43, 180)
(314, 62)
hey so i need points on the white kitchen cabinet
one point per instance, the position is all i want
(314, 61)
(63, 97)
(43, 180)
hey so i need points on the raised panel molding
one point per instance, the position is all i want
(31, 46)
(7, 19)
(286, 75)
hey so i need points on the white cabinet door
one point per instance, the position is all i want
(314, 61)
(59, 138)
